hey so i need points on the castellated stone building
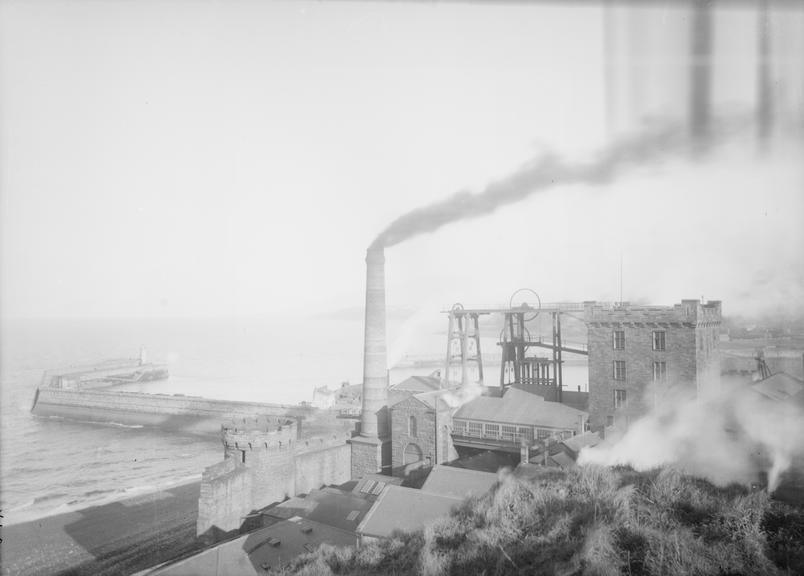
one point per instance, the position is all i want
(266, 461)
(638, 353)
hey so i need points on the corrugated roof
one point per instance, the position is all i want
(458, 482)
(520, 407)
(405, 509)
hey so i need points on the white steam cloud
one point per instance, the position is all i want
(728, 437)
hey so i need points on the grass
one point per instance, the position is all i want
(590, 521)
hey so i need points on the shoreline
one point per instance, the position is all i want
(67, 508)
(121, 536)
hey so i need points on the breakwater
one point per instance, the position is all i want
(175, 412)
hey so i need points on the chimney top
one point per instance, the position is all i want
(375, 254)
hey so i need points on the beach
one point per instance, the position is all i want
(120, 537)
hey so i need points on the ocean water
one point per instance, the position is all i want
(53, 465)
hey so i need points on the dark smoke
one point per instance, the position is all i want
(537, 175)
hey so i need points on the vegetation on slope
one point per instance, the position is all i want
(589, 520)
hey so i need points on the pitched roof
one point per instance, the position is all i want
(781, 387)
(417, 384)
(520, 407)
(458, 482)
(581, 441)
(433, 399)
(405, 509)
(270, 547)
(329, 506)
(562, 460)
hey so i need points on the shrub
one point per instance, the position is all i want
(590, 520)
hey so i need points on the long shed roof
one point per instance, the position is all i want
(523, 408)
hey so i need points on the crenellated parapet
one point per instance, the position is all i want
(687, 314)
(264, 434)
(322, 442)
(266, 462)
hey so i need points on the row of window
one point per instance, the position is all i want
(507, 432)
(618, 340)
(659, 370)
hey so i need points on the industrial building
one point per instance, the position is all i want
(635, 354)
(518, 417)
(638, 353)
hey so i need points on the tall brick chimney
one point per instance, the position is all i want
(374, 419)
(371, 450)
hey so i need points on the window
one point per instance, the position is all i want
(509, 433)
(459, 427)
(492, 430)
(619, 399)
(658, 340)
(412, 431)
(660, 371)
(619, 369)
(618, 339)
(542, 433)
(609, 420)
(526, 433)
(475, 429)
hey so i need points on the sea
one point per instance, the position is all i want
(53, 465)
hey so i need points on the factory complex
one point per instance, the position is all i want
(423, 445)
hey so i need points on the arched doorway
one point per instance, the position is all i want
(412, 454)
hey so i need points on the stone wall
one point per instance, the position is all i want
(403, 442)
(323, 465)
(368, 454)
(226, 490)
(446, 449)
(265, 466)
(433, 436)
(691, 355)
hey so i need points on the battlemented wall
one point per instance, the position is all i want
(263, 465)
(690, 356)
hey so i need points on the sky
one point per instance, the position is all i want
(206, 158)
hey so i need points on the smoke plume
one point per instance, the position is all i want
(537, 175)
(729, 437)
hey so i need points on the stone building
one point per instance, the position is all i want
(638, 353)
(420, 432)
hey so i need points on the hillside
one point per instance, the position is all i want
(590, 520)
